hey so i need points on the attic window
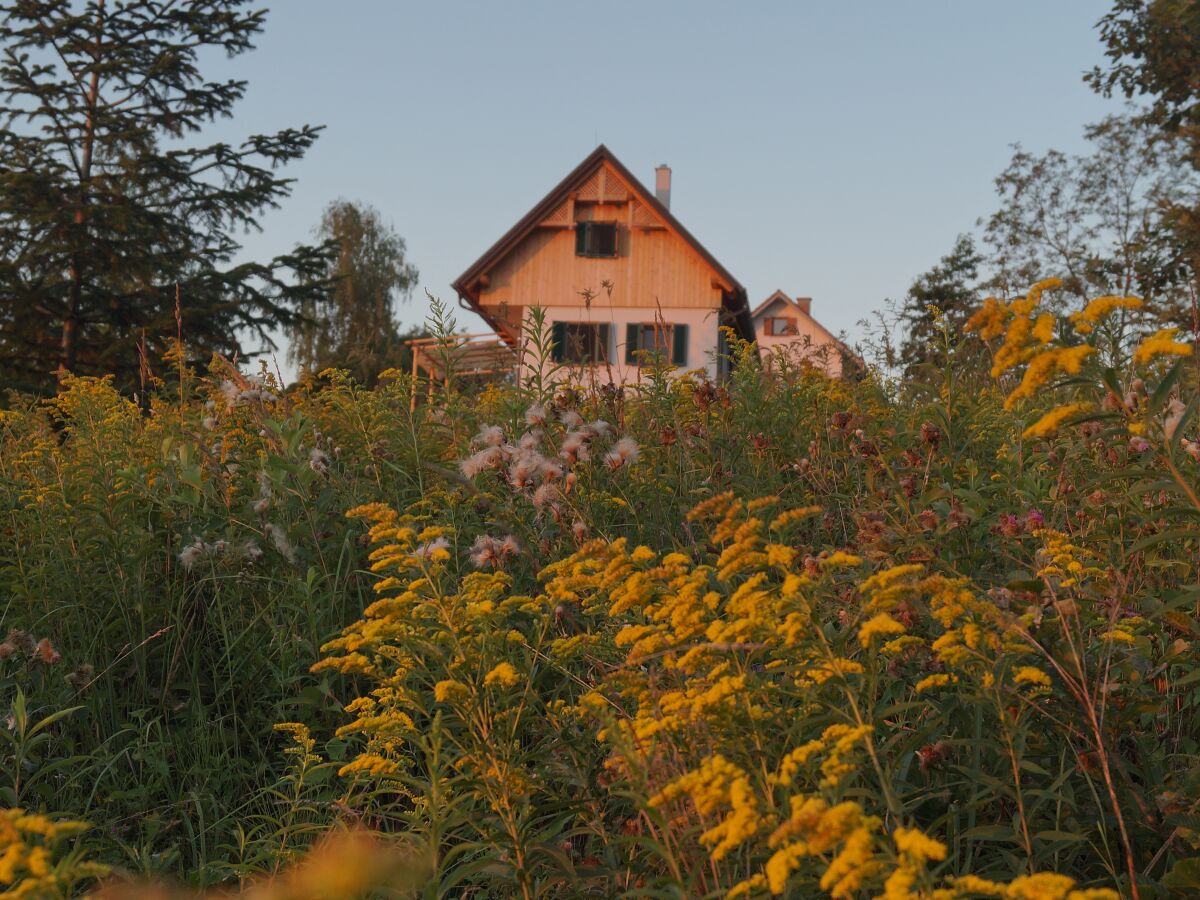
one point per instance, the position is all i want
(779, 326)
(597, 239)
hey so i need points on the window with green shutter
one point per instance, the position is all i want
(632, 343)
(579, 343)
(679, 337)
(598, 239)
(646, 342)
(558, 341)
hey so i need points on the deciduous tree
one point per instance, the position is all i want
(354, 326)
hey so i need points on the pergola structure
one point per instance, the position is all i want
(466, 355)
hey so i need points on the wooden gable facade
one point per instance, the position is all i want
(615, 272)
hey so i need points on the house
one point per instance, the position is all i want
(623, 284)
(785, 326)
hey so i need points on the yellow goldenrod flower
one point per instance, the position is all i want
(880, 625)
(1161, 343)
(503, 674)
(1043, 367)
(791, 516)
(1041, 886)
(447, 690)
(1100, 309)
(1032, 675)
(887, 577)
(914, 844)
(1049, 423)
(1043, 328)
(937, 680)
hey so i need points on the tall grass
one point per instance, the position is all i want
(777, 635)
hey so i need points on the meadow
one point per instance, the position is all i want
(778, 636)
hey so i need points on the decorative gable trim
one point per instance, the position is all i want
(561, 217)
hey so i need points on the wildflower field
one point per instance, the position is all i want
(778, 636)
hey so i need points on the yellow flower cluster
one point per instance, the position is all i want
(412, 604)
(502, 674)
(715, 784)
(880, 625)
(1048, 424)
(1161, 343)
(1064, 561)
(1086, 319)
(1032, 676)
(27, 866)
(1043, 366)
(1023, 333)
(697, 657)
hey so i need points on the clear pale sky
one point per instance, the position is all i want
(833, 150)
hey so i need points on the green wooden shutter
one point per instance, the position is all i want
(679, 350)
(581, 231)
(632, 332)
(604, 343)
(558, 341)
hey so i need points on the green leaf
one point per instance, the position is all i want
(1184, 876)
(1055, 835)
(991, 833)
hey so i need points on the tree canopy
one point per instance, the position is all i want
(354, 326)
(116, 225)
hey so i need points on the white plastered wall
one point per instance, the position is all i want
(702, 335)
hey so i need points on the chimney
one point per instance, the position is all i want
(805, 304)
(662, 185)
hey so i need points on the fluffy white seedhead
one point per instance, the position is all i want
(490, 436)
(193, 553)
(491, 552)
(546, 496)
(576, 447)
(318, 461)
(280, 539)
(623, 452)
(429, 548)
(523, 472)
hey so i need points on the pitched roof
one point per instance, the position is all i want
(774, 298)
(735, 300)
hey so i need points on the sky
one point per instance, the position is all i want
(833, 150)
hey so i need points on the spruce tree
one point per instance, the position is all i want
(111, 209)
(942, 298)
